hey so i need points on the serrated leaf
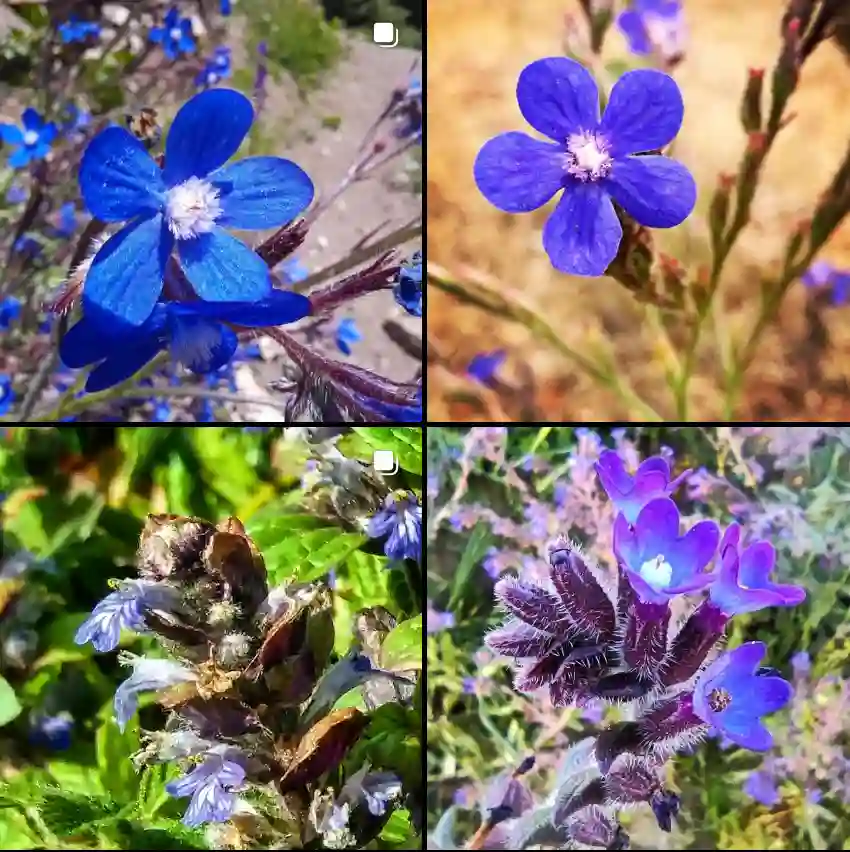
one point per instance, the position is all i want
(398, 832)
(404, 442)
(310, 554)
(402, 649)
(10, 707)
(367, 580)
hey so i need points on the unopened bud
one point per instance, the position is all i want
(718, 212)
(751, 116)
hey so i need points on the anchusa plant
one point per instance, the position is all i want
(634, 640)
(248, 685)
(159, 290)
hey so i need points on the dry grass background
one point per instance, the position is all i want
(476, 49)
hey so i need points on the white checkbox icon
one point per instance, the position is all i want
(384, 461)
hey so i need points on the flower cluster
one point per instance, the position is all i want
(586, 642)
(249, 685)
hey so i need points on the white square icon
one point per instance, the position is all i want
(385, 34)
(384, 461)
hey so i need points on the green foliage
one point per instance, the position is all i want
(299, 39)
(10, 707)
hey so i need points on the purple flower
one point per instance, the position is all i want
(732, 696)
(148, 675)
(629, 493)
(123, 608)
(823, 274)
(801, 662)
(761, 786)
(33, 141)
(659, 563)
(10, 309)
(436, 620)
(175, 35)
(591, 159)
(654, 26)
(484, 365)
(211, 787)
(743, 583)
(401, 522)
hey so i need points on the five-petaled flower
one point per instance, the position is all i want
(743, 583)
(211, 787)
(33, 142)
(408, 288)
(175, 35)
(401, 522)
(189, 202)
(148, 675)
(732, 694)
(197, 334)
(592, 160)
(123, 608)
(658, 562)
(630, 493)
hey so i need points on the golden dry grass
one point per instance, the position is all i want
(476, 49)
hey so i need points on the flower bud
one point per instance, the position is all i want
(751, 117)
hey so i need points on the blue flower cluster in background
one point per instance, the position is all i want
(175, 35)
(30, 143)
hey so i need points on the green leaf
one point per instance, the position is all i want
(367, 579)
(398, 832)
(405, 443)
(114, 750)
(269, 527)
(10, 707)
(402, 649)
(476, 548)
(310, 554)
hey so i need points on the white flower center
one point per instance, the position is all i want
(657, 572)
(192, 208)
(176, 33)
(212, 78)
(30, 137)
(587, 158)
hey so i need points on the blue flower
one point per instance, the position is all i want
(190, 202)
(484, 365)
(211, 787)
(761, 786)
(7, 394)
(224, 7)
(161, 412)
(401, 522)
(76, 30)
(590, 159)
(67, 220)
(216, 69)
(408, 289)
(27, 246)
(16, 194)
(123, 608)
(197, 333)
(293, 270)
(53, 732)
(654, 26)
(346, 334)
(74, 118)
(33, 141)
(175, 35)
(732, 696)
(822, 274)
(388, 411)
(10, 310)
(148, 675)
(743, 583)
(658, 562)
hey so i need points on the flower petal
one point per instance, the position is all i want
(206, 133)
(278, 308)
(221, 268)
(85, 343)
(655, 191)
(262, 192)
(517, 173)
(118, 178)
(122, 364)
(125, 279)
(558, 97)
(644, 112)
(11, 135)
(630, 23)
(31, 119)
(583, 234)
(201, 345)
